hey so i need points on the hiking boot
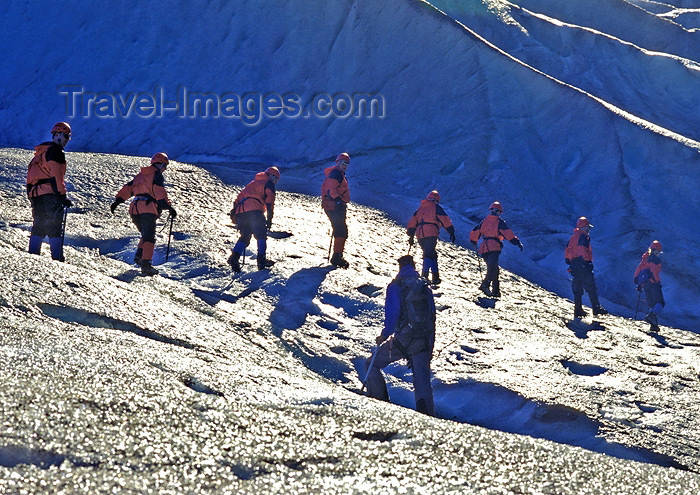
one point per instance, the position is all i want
(147, 268)
(339, 261)
(652, 319)
(436, 280)
(485, 289)
(137, 257)
(579, 312)
(496, 293)
(265, 264)
(599, 310)
(233, 261)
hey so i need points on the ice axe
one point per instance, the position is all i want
(369, 368)
(639, 297)
(63, 225)
(330, 247)
(170, 234)
(479, 260)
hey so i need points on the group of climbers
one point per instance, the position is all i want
(409, 326)
(258, 199)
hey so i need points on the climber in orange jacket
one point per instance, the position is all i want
(647, 277)
(335, 195)
(256, 199)
(150, 199)
(492, 230)
(46, 190)
(425, 224)
(579, 256)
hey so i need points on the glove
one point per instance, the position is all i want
(380, 339)
(268, 224)
(453, 238)
(67, 203)
(113, 206)
(636, 281)
(173, 213)
(233, 216)
(410, 241)
(568, 262)
(473, 243)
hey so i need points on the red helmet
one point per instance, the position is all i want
(433, 196)
(273, 171)
(160, 158)
(656, 246)
(61, 127)
(583, 222)
(496, 206)
(343, 157)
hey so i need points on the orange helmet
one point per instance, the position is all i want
(656, 246)
(496, 206)
(583, 222)
(343, 157)
(433, 196)
(61, 127)
(160, 158)
(273, 171)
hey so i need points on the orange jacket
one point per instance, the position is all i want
(652, 263)
(259, 194)
(47, 170)
(148, 190)
(427, 220)
(579, 246)
(334, 189)
(492, 230)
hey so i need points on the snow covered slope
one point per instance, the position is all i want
(461, 114)
(201, 382)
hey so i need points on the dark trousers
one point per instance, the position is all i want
(146, 225)
(655, 298)
(420, 365)
(583, 280)
(430, 256)
(47, 211)
(492, 271)
(251, 223)
(337, 218)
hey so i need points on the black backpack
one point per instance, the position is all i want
(416, 326)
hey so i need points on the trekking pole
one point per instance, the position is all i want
(330, 246)
(409, 248)
(639, 297)
(63, 225)
(170, 234)
(371, 363)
